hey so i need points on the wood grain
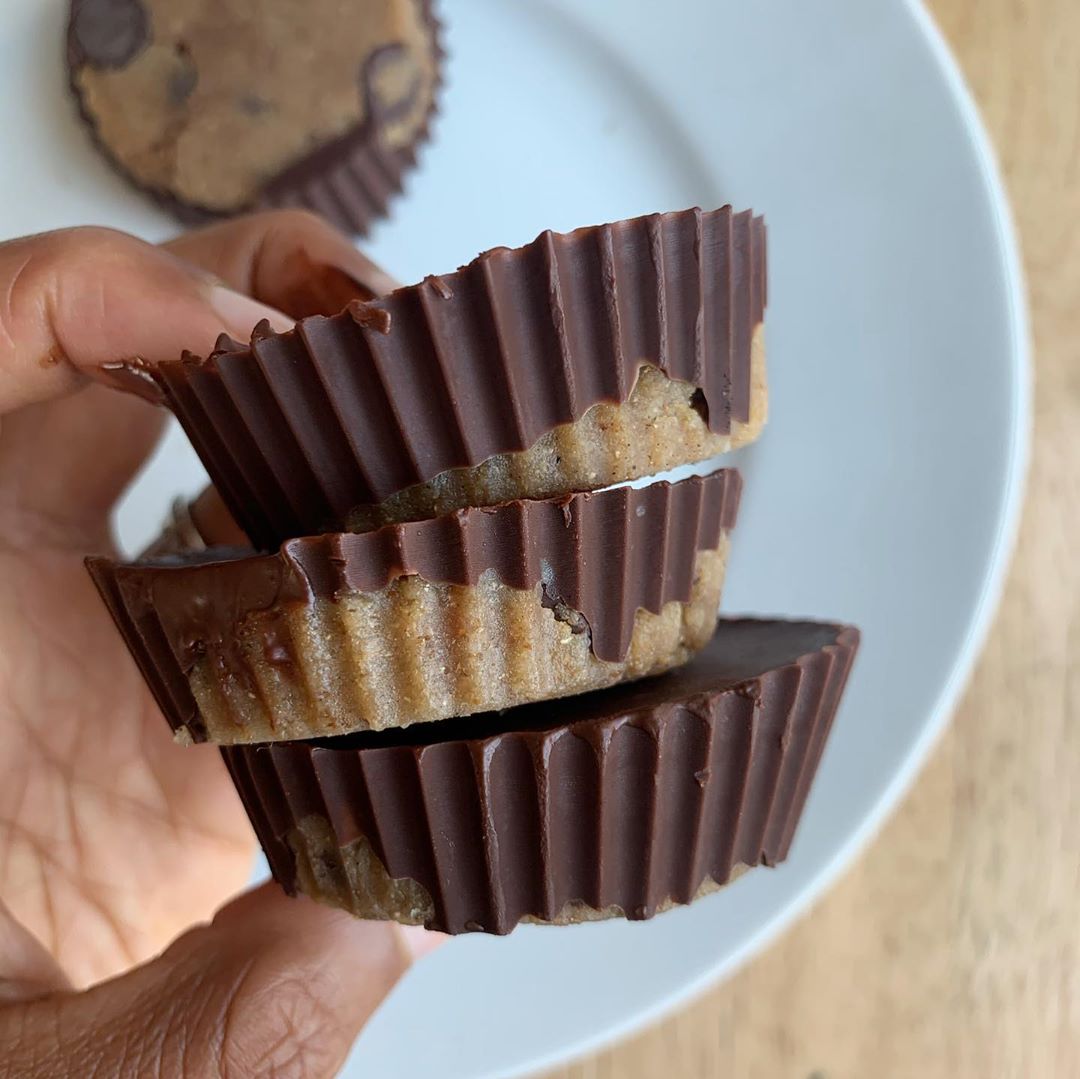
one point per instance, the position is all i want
(952, 948)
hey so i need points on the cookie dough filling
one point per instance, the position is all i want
(471, 611)
(421, 651)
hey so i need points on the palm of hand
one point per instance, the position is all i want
(112, 839)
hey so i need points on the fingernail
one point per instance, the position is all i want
(240, 314)
(418, 941)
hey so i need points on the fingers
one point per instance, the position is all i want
(73, 300)
(290, 259)
(76, 299)
(273, 986)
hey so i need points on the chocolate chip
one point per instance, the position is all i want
(184, 78)
(700, 405)
(110, 33)
(252, 105)
(390, 81)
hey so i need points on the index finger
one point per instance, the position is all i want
(290, 259)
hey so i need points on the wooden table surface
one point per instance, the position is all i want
(952, 948)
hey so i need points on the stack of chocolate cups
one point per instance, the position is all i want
(461, 672)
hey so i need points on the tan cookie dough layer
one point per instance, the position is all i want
(227, 96)
(658, 427)
(418, 651)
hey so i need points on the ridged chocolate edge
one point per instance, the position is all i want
(300, 428)
(634, 811)
(350, 180)
(603, 555)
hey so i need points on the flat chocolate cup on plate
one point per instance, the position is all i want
(618, 803)
(475, 610)
(575, 362)
(225, 107)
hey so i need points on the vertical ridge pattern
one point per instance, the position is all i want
(594, 554)
(477, 363)
(742, 317)
(639, 798)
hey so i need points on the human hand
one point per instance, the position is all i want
(112, 839)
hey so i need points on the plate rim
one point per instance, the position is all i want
(985, 611)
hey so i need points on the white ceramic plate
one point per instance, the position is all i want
(886, 487)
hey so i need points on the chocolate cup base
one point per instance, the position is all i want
(356, 881)
(622, 802)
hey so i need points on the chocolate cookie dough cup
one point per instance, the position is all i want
(619, 803)
(577, 361)
(221, 108)
(476, 610)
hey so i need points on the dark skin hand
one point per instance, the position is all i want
(113, 840)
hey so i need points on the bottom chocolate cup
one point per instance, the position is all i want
(618, 803)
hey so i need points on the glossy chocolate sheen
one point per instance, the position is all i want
(604, 555)
(631, 797)
(350, 180)
(298, 429)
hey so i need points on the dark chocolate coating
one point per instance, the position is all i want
(630, 797)
(604, 555)
(301, 428)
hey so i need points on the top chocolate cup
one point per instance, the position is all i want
(217, 109)
(578, 361)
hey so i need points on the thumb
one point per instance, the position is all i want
(273, 986)
(75, 301)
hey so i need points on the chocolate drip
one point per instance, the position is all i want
(602, 555)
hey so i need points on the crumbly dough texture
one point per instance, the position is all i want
(656, 428)
(418, 651)
(353, 878)
(228, 93)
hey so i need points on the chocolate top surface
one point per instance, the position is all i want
(741, 650)
(298, 429)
